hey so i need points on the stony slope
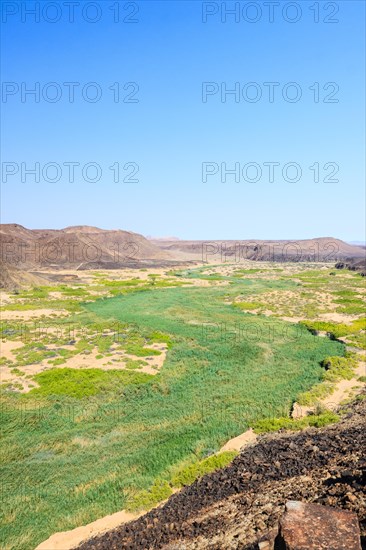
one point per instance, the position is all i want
(79, 247)
(235, 507)
(12, 278)
(318, 250)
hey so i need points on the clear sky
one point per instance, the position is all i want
(171, 49)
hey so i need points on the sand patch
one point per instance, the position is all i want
(117, 361)
(7, 347)
(240, 441)
(56, 295)
(337, 317)
(68, 540)
(5, 298)
(344, 389)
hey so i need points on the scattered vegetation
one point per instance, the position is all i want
(147, 499)
(185, 475)
(339, 368)
(286, 423)
(248, 306)
(188, 474)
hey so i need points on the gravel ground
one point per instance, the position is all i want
(234, 507)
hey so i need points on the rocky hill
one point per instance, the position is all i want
(84, 247)
(312, 250)
(12, 278)
(238, 506)
(79, 247)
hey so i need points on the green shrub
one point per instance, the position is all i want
(317, 392)
(248, 305)
(275, 424)
(336, 329)
(188, 474)
(339, 368)
(139, 351)
(147, 499)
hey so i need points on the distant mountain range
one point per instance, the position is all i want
(84, 247)
(358, 243)
(318, 250)
(150, 238)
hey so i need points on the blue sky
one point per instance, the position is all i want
(170, 132)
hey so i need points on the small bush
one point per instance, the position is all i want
(336, 329)
(317, 392)
(248, 305)
(275, 424)
(147, 499)
(339, 368)
(188, 474)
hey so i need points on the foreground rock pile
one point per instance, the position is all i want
(237, 507)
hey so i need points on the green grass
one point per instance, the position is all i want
(186, 475)
(339, 368)
(81, 383)
(336, 329)
(285, 423)
(86, 442)
(148, 498)
(248, 306)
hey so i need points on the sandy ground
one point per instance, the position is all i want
(337, 317)
(80, 361)
(7, 347)
(240, 441)
(344, 389)
(5, 298)
(67, 540)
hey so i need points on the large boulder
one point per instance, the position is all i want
(314, 527)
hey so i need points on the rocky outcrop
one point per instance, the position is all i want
(354, 264)
(314, 527)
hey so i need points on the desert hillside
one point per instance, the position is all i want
(318, 250)
(79, 247)
(85, 247)
(12, 278)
